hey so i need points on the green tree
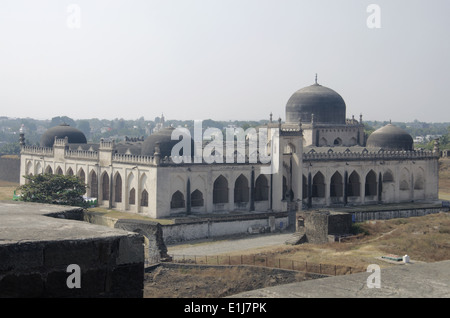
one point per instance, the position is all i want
(53, 189)
(85, 127)
(10, 149)
(56, 121)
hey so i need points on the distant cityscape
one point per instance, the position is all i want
(118, 129)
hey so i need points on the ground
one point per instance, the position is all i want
(211, 282)
(424, 239)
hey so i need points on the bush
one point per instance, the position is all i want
(53, 189)
(356, 228)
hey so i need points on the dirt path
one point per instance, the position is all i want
(230, 245)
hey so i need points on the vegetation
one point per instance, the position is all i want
(95, 129)
(53, 189)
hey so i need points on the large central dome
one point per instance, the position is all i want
(327, 106)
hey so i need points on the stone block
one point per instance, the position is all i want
(22, 285)
(16, 257)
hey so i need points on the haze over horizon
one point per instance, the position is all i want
(221, 60)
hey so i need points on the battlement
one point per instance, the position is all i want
(298, 131)
(81, 154)
(106, 145)
(135, 159)
(35, 150)
(61, 142)
(368, 155)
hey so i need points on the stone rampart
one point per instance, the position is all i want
(40, 243)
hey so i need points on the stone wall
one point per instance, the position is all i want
(10, 169)
(362, 216)
(40, 269)
(318, 225)
(339, 223)
(39, 243)
(155, 248)
(202, 229)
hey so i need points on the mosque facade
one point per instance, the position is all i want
(318, 158)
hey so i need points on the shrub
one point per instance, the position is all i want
(53, 189)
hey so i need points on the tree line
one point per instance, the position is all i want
(116, 129)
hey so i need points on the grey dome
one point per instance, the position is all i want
(390, 137)
(74, 135)
(327, 106)
(164, 138)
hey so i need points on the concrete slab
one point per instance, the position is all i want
(424, 280)
(27, 222)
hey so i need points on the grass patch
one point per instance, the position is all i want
(7, 190)
(127, 215)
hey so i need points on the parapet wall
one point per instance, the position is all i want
(217, 227)
(38, 250)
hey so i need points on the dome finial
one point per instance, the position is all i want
(316, 78)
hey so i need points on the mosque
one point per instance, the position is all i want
(321, 158)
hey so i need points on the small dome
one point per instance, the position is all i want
(390, 137)
(74, 135)
(327, 106)
(164, 138)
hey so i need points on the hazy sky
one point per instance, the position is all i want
(222, 59)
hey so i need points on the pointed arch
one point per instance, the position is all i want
(29, 168)
(404, 179)
(318, 185)
(81, 175)
(59, 171)
(117, 188)
(105, 186)
(323, 142)
(143, 181)
(336, 185)
(132, 197)
(354, 185)
(261, 188)
(419, 179)
(337, 142)
(144, 198)
(93, 184)
(69, 172)
(220, 190)
(241, 190)
(197, 198)
(371, 183)
(177, 200)
(130, 180)
(388, 176)
(49, 170)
